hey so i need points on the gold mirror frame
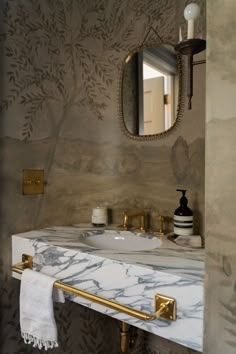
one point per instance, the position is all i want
(180, 106)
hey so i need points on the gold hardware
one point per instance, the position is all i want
(161, 228)
(126, 217)
(33, 182)
(28, 181)
(142, 221)
(164, 303)
(125, 220)
(166, 306)
(128, 336)
(27, 262)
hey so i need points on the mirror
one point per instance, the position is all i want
(151, 92)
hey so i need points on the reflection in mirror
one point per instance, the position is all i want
(150, 91)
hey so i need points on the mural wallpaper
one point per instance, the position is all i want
(60, 69)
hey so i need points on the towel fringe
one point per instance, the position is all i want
(39, 342)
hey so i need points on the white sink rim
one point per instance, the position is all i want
(119, 240)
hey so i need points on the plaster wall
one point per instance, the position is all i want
(220, 180)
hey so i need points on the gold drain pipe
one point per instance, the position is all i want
(128, 336)
(165, 307)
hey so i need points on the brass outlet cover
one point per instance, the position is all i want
(169, 312)
(33, 182)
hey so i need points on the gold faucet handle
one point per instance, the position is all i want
(124, 215)
(142, 222)
(142, 217)
(161, 218)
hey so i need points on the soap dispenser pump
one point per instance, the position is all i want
(183, 217)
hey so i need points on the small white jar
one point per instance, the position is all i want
(99, 216)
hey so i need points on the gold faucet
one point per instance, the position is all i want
(126, 218)
(161, 227)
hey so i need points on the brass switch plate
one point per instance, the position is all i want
(33, 182)
(169, 312)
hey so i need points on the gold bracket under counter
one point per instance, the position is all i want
(165, 306)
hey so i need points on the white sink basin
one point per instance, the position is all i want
(119, 240)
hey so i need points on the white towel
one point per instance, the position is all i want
(37, 320)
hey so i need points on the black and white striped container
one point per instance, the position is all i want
(183, 225)
(183, 217)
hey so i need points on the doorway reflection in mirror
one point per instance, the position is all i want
(150, 91)
(159, 70)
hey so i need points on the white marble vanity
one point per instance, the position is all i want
(131, 278)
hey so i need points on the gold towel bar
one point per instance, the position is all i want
(165, 307)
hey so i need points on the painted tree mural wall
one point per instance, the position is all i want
(60, 68)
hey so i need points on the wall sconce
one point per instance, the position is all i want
(190, 46)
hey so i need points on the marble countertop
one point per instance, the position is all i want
(129, 278)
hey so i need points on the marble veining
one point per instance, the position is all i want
(129, 278)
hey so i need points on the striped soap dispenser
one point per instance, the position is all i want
(183, 217)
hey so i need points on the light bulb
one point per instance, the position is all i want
(191, 12)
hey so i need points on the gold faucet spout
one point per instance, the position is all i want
(141, 215)
(160, 232)
(125, 220)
